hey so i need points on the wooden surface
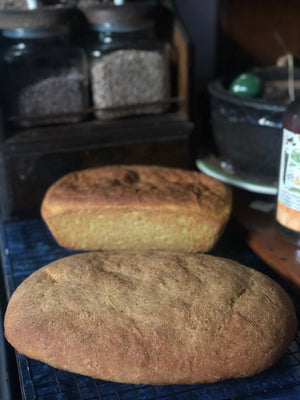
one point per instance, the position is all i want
(256, 215)
(183, 64)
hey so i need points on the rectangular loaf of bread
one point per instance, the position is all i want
(151, 317)
(137, 207)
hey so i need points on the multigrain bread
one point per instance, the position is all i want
(151, 317)
(137, 207)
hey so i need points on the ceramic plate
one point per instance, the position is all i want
(211, 166)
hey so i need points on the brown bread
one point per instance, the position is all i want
(151, 317)
(137, 207)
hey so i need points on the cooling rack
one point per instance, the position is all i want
(28, 245)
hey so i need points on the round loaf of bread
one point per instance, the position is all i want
(137, 207)
(151, 317)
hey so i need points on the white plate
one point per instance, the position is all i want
(210, 166)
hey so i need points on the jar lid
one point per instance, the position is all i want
(39, 18)
(126, 15)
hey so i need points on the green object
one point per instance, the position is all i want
(246, 85)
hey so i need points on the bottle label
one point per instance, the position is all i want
(288, 207)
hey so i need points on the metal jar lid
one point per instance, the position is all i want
(39, 18)
(126, 15)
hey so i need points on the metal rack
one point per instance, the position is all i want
(28, 245)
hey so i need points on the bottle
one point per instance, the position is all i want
(288, 198)
(44, 75)
(129, 64)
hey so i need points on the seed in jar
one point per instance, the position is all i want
(63, 92)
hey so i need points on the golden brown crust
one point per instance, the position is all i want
(137, 186)
(151, 317)
(179, 199)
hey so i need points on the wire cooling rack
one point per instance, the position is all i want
(28, 245)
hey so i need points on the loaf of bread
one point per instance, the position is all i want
(137, 207)
(151, 317)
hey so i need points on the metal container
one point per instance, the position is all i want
(247, 131)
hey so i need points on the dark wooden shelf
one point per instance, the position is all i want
(33, 159)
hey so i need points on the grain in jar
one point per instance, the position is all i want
(129, 66)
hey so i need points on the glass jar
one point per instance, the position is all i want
(288, 199)
(44, 77)
(129, 65)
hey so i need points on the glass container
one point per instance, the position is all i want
(288, 200)
(129, 64)
(44, 77)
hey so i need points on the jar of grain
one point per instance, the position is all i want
(44, 77)
(129, 65)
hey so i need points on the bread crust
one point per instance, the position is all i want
(145, 207)
(151, 317)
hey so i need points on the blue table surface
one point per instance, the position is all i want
(28, 245)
